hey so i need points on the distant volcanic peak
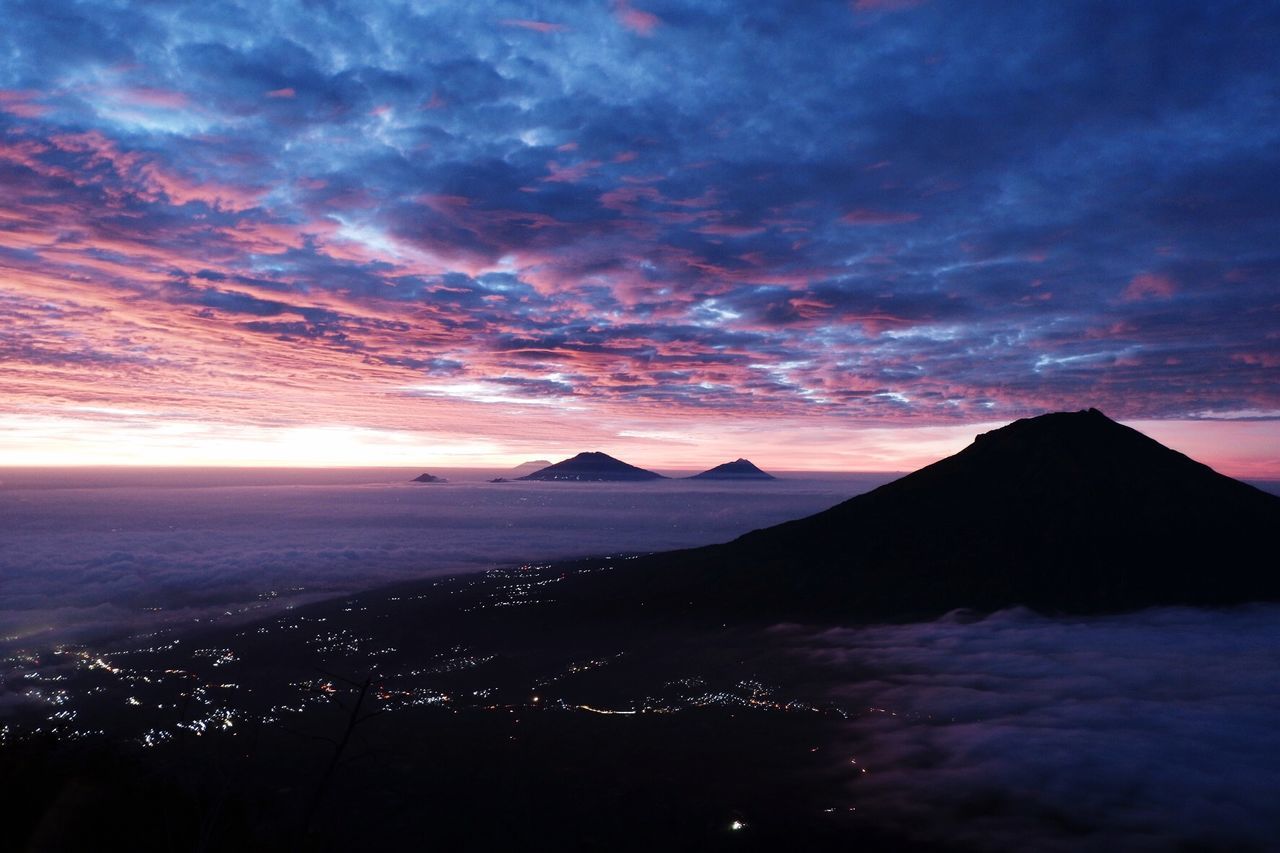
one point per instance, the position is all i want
(739, 469)
(429, 478)
(592, 465)
(531, 466)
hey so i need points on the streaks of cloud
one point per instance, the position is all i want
(253, 216)
(534, 26)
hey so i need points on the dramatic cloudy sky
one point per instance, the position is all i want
(834, 234)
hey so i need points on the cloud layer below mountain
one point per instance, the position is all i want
(1146, 731)
(80, 561)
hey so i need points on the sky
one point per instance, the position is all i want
(827, 235)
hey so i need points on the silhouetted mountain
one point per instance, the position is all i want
(1064, 512)
(429, 478)
(739, 469)
(592, 466)
(530, 467)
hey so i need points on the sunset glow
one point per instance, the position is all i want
(470, 235)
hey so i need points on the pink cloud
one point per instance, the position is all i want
(181, 190)
(534, 26)
(624, 199)
(638, 21)
(443, 203)
(570, 174)
(809, 308)
(709, 198)
(24, 152)
(20, 103)
(286, 92)
(864, 216)
(153, 97)
(12, 238)
(93, 245)
(1148, 286)
(1258, 359)
(265, 238)
(722, 230)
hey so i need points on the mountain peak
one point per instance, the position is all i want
(592, 465)
(1056, 420)
(531, 466)
(739, 469)
(1073, 455)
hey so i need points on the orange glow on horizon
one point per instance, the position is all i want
(1246, 449)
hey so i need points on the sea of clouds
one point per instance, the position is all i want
(102, 551)
(1147, 731)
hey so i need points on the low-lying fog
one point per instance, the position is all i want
(1144, 731)
(87, 551)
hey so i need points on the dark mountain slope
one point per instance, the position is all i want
(1067, 512)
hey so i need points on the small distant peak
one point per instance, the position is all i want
(739, 469)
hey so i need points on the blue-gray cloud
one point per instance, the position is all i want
(978, 208)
